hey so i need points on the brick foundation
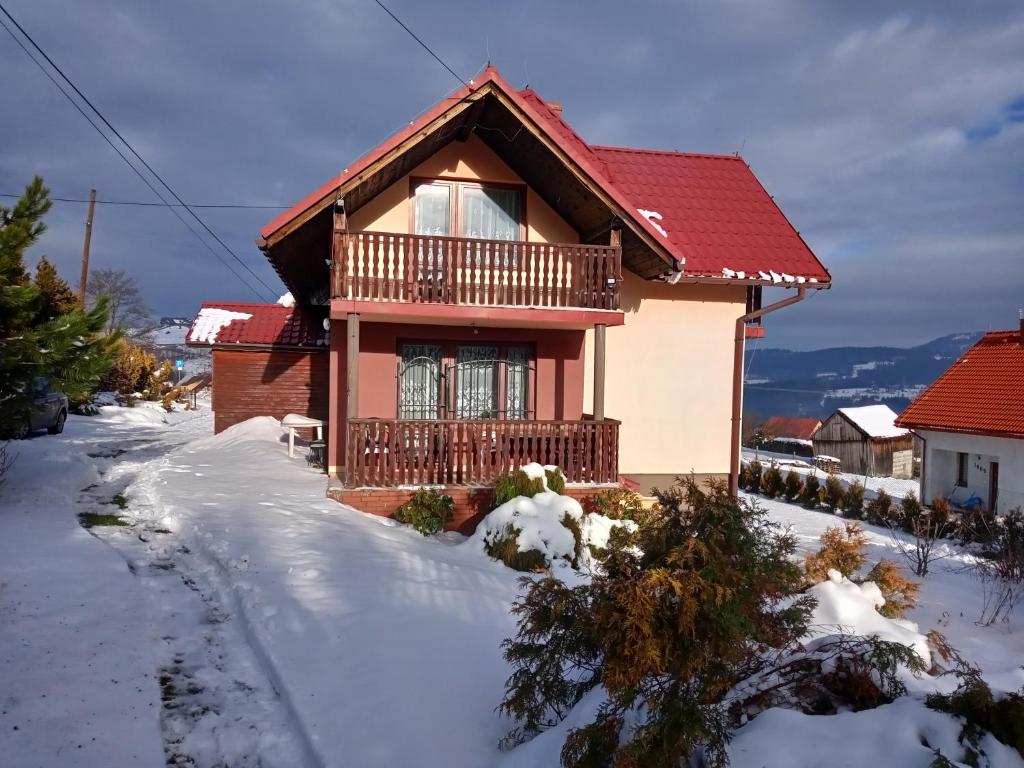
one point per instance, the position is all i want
(471, 503)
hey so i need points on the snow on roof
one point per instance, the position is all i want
(253, 323)
(210, 321)
(875, 420)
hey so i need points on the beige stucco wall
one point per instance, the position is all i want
(669, 376)
(469, 160)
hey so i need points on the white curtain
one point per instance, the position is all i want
(433, 209)
(490, 213)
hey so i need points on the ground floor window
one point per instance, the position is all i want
(961, 470)
(464, 381)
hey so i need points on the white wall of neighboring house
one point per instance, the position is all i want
(940, 472)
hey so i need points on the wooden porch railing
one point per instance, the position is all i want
(385, 266)
(396, 452)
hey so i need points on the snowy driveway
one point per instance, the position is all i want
(385, 645)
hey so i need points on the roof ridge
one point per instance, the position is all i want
(680, 153)
(267, 304)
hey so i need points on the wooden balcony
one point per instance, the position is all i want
(402, 452)
(426, 269)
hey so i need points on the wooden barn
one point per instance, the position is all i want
(866, 441)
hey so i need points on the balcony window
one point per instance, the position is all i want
(468, 209)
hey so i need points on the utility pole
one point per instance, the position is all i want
(85, 247)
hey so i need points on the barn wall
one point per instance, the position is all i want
(856, 452)
(248, 383)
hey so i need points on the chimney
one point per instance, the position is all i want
(1020, 319)
(556, 107)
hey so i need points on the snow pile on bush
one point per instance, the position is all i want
(544, 525)
(845, 607)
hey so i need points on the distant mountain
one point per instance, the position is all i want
(786, 383)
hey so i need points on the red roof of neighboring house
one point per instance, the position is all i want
(799, 427)
(222, 323)
(981, 393)
(707, 212)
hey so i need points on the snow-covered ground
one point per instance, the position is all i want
(245, 619)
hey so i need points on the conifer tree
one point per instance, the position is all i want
(69, 348)
(58, 298)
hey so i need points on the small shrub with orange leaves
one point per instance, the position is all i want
(842, 549)
(900, 593)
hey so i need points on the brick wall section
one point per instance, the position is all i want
(249, 383)
(471, 504)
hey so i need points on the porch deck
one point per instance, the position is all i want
(392, 453)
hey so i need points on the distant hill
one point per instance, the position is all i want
(786, 383)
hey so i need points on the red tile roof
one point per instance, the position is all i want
(798, 427)
(981, 393)
(716, 220)
(266, 324)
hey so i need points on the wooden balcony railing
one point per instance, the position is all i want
(398, 452)
(383, 266)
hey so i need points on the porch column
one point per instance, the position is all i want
(599, 334)
(335, 423)
(351, 373)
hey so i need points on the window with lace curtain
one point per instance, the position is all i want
(468, 209)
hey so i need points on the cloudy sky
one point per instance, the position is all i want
(892, 134)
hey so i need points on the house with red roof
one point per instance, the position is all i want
(972, 422)
(486, 289)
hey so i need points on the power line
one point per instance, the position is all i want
(131, 149)
(152, 204)
(426, 47)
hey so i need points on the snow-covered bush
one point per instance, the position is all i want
(754, 470)
(900, 593)
(982, 712)
(854, 508)
(794, 486)
(620, 504)
(1002, 569)
(517, 483)
(666, 627)
(832, 494)
(537, 529)
(809, 495)
(842, 551)
(882, 511)
(772, 484)
(427, 511)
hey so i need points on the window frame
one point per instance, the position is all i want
(449, 357)
(962, 462)
(455, 186)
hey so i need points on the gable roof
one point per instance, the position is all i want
(981, 393)
(249, 323)
(705, 215)
(798, 427)
(877, 421)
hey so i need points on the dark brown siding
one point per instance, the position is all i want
(249, 383)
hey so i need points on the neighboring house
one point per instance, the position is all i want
(786, 434)
(499, 291)
(795, 427)
(972, 423)
(867, 441)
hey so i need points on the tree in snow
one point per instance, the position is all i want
(69, 348)
(128, 310)
(58, 298)
(680, 613)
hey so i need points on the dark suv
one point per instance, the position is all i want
(49, 410)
